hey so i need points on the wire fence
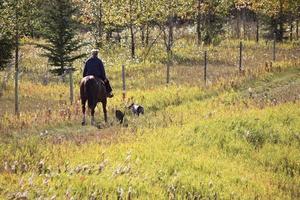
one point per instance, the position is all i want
(197, 67)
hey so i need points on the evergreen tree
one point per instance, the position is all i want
(59, 32)
(6, 48)
(213, 16)
(6, 35)
(12, 16)
(32, 13)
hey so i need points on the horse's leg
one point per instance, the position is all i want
(93, 116)
(104, 110)
(83, 102)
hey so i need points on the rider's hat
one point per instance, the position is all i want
(95, 51)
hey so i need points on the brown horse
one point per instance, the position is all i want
(92, 92)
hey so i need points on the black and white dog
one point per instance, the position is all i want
(136, 109)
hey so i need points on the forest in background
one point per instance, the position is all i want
(228, 131)
(136, 20)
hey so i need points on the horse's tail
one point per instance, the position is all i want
(90, 91)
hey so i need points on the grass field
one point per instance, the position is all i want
(237, 138)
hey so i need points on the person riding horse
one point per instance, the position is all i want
(94, 67)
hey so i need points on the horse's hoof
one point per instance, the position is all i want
(83, 123)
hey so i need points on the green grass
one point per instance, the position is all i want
(189, 144)
(194, 142)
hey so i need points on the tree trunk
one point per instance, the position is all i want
(281, 21)
(199, 23)
(99, 27)
(147, 35)
(132, 42)
(131, 30)
(281, 31)
(108, 35)
(257, 30)
(143, 35)
(118, 38)
(244, 22)
(100, 34)
(238, 22)
(297, 29)
(170, 38)
(62, 69)
(291, 31)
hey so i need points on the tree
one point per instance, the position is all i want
(59, 31)
(130, 12)
(166, 14)
(276, 14)
(209, 17)
(31, 24)
(6, 47)
(198, 20)
(13, 11)
(92, 15)
(6, 35)
(12, 16)
(293, 15)
(214, 14)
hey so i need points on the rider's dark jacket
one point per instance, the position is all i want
(94, 66)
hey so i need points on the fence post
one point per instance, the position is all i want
(17, 109)
(168, 73)
(129, 195)
(168, 68)
(71, 86)
(274, 47)
(124, 83)
(17, 112)
(205, 67)
(241, 56)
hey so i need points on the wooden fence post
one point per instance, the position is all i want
(257, 29)
(17, 111)
(241, 56)
(124, 82)
(168, 68)
(205, 67)
(168, 73)
(274, 47)
(71, 86)
(129, 196)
